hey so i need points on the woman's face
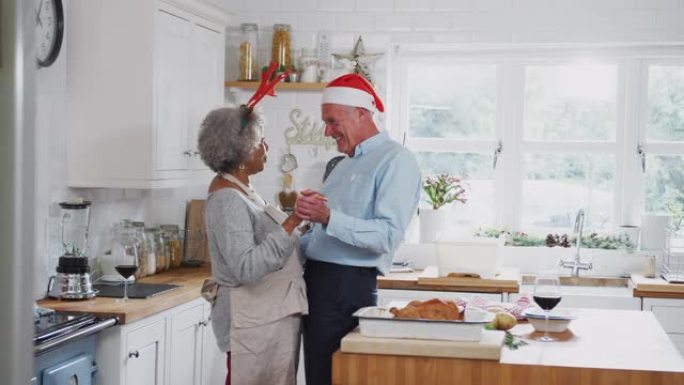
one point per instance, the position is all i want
(257, 158)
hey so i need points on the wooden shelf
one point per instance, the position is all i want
(281, 86)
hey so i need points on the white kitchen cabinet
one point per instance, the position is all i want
(213, 360)
(142, 75)
(669, 313)
(385, 296)
(174, 347)
(185, 346)
(144, 355)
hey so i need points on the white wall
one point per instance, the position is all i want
(381, 22)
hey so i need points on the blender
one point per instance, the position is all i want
(72, 280)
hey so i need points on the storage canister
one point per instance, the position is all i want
(281, 48)
(247, 55)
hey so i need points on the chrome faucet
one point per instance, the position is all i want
(576, 265)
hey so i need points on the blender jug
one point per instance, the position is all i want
(75, 223)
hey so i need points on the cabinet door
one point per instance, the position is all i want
(185, 342)
(206, 82)
(213, 360)
(144, 361)
(172, 68)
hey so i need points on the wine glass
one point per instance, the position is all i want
(547, 295)
(125, 253)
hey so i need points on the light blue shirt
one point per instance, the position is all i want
(372, 197)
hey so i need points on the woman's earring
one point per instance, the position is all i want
(241, 167)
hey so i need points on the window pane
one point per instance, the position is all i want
(665, 103)
(557, 185)
(476, 170)
(570, 102)
(664, 183)
(453, 102)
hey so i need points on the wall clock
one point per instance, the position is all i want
(49, 30)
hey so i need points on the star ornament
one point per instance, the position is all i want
(360, 59)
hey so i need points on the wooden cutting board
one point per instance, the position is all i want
(488, 348)
(643, 286)
(196, 245)
(508, 281)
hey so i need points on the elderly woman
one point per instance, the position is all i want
(254, 254)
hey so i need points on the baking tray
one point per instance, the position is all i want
(376, 321)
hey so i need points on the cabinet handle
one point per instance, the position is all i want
(195, 153)
(187, 153)
(134, 354)
(203, 323)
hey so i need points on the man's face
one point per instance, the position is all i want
(342, 124)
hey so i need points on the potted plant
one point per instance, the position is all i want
(441, 190)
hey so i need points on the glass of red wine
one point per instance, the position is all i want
(547, 295)
(125, 252)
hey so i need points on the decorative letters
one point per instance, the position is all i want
(303, 131)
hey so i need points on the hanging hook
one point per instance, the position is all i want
(642, 156)
(497, 153)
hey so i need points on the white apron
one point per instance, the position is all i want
(266, 317)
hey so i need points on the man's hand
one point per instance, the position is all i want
(311, 206)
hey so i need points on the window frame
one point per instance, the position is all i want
(631, 60)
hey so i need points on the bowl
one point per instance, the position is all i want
(559, 319)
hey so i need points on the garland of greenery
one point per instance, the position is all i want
(591, 241)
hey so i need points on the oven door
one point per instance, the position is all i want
(75, 371)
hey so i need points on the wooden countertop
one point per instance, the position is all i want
(190, 279)
(656, 288)
(601, 347)
(410, 281)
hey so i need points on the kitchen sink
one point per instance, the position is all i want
(616, 282)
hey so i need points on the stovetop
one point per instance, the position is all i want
(56, 324)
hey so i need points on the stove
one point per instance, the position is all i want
(64, 347)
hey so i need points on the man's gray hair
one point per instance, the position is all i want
(227, 136)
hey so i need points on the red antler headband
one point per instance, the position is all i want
(267, 86)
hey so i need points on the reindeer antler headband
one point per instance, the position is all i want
(266, 87)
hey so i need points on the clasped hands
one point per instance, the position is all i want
(312, 206)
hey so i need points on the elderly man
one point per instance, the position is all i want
(359, 218)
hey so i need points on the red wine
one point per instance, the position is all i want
(126, 270)
(547, 302)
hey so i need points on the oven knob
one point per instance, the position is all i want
(134, 354)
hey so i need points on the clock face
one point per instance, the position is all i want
(49, 30)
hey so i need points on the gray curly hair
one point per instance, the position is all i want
(228, 135)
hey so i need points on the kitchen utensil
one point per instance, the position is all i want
(72, 280)
(559, 319)
(487, 348)
(375, 321)
(289, 161)
(288, 196)
(196, 247)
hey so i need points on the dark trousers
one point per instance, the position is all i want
(335, 292)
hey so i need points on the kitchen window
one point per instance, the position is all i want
(540, 132)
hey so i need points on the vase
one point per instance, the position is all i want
(432, 223)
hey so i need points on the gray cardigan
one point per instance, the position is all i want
(245, 245)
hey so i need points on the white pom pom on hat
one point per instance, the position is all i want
(352, 90)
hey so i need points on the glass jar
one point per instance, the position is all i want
(139, 231)
(150, 250)
(247, 56)
(160, 246)
(281, 47)
(174, 244)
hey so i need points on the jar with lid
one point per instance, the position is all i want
(174, 244)
(139, 231)
(281, 48)
(247, 55)
(150, 251)
(161, 249)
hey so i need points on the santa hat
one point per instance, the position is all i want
(352, 90)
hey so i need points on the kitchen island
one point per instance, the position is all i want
(601, 347)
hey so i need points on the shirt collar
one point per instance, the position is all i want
(371, 143)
